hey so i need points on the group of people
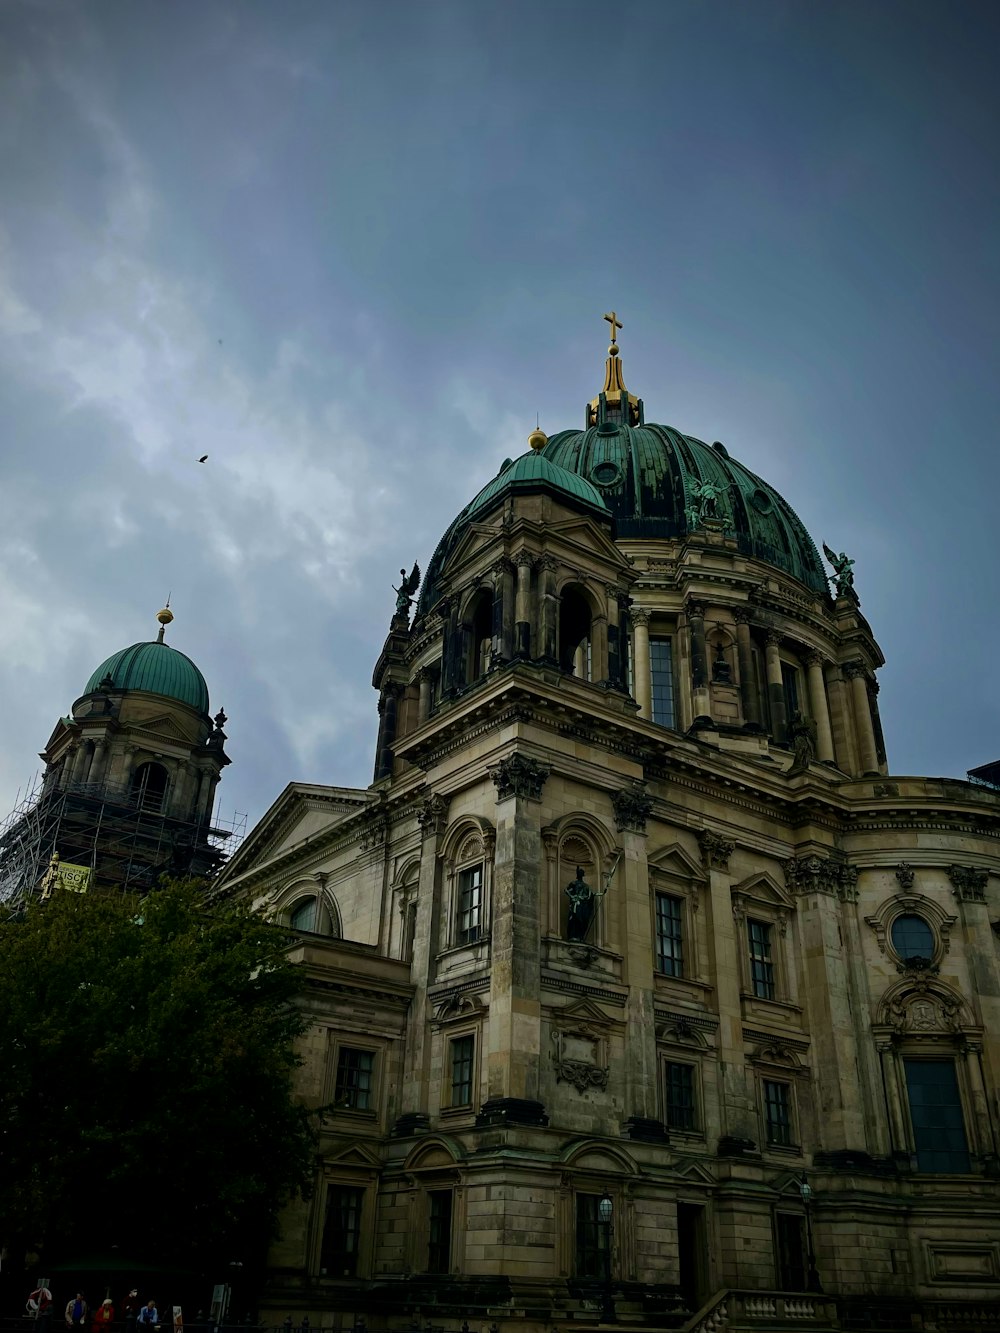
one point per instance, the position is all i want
(134, 1314)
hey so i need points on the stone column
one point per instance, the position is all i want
(79, 762)
(842, 722)
(522, 610)
(726, 939)
(749, 686)
(99, 761)
(425, 679)
(643, 677)
(880, 754)
(819, 709)
(856, 674)
(898, 1136)
(549, 608)
(986, 1142)
(614, 676)
(775, 688)
(515, 938)
(388, 706)
(699, 663)
(685, 703)
(415, 1090)
(599, 648)
(580, 661)
(506, 581)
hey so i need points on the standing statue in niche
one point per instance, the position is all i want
(582, 903)
(802, 734)
(843, 572)
(404, 593)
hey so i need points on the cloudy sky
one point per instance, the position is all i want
(349, 248)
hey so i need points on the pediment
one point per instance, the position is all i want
(581, 1012)
(689, 1168)
(764, 888)
(586, 533)
(675, 860)
(354, 1154)
(301, 811)
(162, 725)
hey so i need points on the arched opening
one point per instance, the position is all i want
(575, 643)
(479, 620)
(304, 915)
(149, 786)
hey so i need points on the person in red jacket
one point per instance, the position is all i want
(104, 1316)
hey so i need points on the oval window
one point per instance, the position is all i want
(606, 474)
(761, 501)
(912, 938)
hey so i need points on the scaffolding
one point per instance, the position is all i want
(122, 837)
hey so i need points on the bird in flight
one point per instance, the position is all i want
(203, 458)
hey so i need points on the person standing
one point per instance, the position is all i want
(76, 1312)
(104, 1317)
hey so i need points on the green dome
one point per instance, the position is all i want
(157, 669)
(529, 472)
(646, 474)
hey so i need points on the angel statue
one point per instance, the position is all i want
(404, 593)
(708, 494)
(843, 575)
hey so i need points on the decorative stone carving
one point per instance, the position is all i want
(885, 789)
(519, 775)
(904, 873)
(715, 851)
(639, 616)
(432, 815)
(967, 884)
(820, 874)
(852, 669)
(632, 806)
(743, 615)
(577, 1059)
(374, 836)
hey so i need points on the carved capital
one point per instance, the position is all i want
(432, 815)
(715, 851)
(519, 775)
(773, 639)
(852, 669)
(695, 610)
(967, 884)
(821, 874)
(525, 560)
(632, 806)
(639, 616)
(904, 873)
(500, 567)
(814, 659)
(548, 563)
(743, 615)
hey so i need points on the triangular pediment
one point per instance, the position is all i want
(675, 860)
(162, 725)
(764, 888)
(584, 534)
(581, 1011)
(302, 811)
(355, 1154)
(691, 1169)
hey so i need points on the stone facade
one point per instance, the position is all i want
(733, 1011)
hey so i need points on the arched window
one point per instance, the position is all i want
(574, 633)
(304, 915)
(480, 643)
(149, 786)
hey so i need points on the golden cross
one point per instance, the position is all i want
(616, 324)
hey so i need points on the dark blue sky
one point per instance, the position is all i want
(350, 250)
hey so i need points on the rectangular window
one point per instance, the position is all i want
(791, 1252)
(355, 1070)
(778, 1113)
(463, 1051)
(439, 1239)
(669, 939)
(592, 1238)
(761, 966)
(790, 686)
(470, 904)
(680, 1096)
(661, 670)
(936, 1116)
(341, 1232)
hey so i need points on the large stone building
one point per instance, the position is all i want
(639, 983)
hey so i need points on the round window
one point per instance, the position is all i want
(912, 938)
(606, 474)
(761, 501)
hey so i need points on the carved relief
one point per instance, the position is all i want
(432, 815)
(967, 884)
(632, 806)
(819, 874)
(578, 1058)
(519, 775)
(905, 874)
(715, 851)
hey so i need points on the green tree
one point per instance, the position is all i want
(147, 1058)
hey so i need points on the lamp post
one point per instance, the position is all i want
(812, 1275)
(605, 1212)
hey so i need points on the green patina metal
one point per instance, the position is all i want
(649, 477)
(156, 668)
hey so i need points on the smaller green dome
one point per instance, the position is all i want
(156, 668)
(532, 472)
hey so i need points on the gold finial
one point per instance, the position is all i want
(616, 324)
(164, 617)
(538, 439)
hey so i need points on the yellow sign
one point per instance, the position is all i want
(74, 878)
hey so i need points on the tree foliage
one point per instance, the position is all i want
(147, 1058)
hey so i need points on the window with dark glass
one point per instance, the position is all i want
(791, 1252)
(304, 915)
(355, 1070)
(470, 904)
(790, 686)
(669, 937)
(912, 937)
(936, 1116)
(778, 1112)
(761, 965)
(463, 1051)
(592, 1237)
(341, 1232)
(680, 1096)
(661, 670)
(439, 1239)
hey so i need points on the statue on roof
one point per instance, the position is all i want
(707, 494)
(843, 572)
(408, 586)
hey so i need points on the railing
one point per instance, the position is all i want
(763, 1309)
